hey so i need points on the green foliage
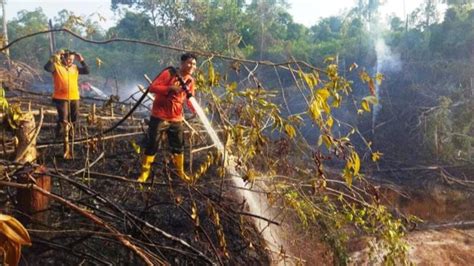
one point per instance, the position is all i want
(27, 23)
(134, 26)
(442, 55)
(453, 37)
(253, 121)
(447, 130)
(217, 26)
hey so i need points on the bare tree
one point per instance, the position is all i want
(5, 32)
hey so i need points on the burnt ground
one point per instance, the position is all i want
(177, 224)
(171, 222)
(166, 203)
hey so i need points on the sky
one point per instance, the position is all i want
(52, 7)
(306, 12)
(309, 12)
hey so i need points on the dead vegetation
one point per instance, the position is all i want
(99, 214)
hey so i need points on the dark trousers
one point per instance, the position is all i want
(68, 111)
(175, 133)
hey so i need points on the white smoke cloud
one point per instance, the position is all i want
(387, 61)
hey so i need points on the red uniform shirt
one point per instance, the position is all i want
(168, 105)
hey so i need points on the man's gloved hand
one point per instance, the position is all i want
(56, 57)
(179, 86)
(79, 57)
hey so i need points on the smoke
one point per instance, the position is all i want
(386, 60)
(387, 63)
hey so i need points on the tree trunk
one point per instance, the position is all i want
(52, 40)
(5, 34)
(470, 150)
(31, 202)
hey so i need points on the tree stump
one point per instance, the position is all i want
(31, 202)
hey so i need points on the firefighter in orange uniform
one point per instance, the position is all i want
(167, 114)
(66, 88)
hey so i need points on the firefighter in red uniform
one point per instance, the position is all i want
(167, 114)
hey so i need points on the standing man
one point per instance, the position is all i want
(171, 88)
(66, 91)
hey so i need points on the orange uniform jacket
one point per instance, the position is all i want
(66, 79)
(168, 105)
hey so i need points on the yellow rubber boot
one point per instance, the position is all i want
(178, 160)
(67, 149)
(146, 168)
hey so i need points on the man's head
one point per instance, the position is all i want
(188, 63)
(67, 58)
